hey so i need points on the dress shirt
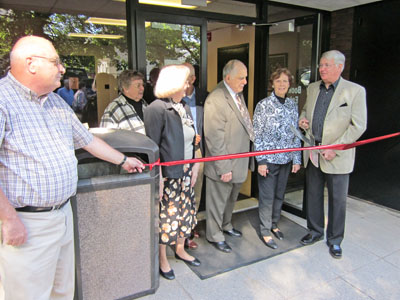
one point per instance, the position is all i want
(120, 114)
(67, 95)
(272, 121)
(80, 101)
(191, 101)
(321, 107)
(232, 93)
(38, 136)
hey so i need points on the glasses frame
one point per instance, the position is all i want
(56, 61)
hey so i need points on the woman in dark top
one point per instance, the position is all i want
(169, 124)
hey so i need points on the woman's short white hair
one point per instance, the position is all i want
(171, 80)
(337, 56)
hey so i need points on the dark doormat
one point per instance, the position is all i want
(245, 250)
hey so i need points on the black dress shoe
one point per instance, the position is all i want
(277, 233)
(271, 243)
(168, 275)
(221, 246)
(194, 263)
(335, 251)
(233, 232)
(310, 239)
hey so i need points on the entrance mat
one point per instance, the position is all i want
(245, 250)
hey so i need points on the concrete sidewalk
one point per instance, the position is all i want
(369, 269)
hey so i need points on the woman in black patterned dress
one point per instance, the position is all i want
(169, 124)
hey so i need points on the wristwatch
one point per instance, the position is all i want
(123, 161)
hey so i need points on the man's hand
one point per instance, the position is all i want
(197, 140)
(226, 177)
(133, 165)
(195, 173)
(328, 154)
(13, 231)
(304, 124)
(263, 170)
(295, 168)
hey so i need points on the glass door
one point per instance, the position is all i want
(168, 39)
(294, 44)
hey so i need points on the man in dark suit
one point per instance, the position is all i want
(227, 129)
(335, 113)
(195, 99)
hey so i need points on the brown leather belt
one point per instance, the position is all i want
(40, 209)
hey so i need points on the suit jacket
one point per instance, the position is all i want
(225, 133)
(200, 98)
(164, 126)
(345, 122)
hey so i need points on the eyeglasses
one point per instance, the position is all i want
(55, 61)
(325, 65)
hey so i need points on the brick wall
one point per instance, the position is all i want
(342, 35)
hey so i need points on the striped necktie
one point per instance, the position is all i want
(245, 115)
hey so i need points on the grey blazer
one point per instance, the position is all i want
(225, 133)
(345, 122)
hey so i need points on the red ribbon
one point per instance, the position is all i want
(266, 152)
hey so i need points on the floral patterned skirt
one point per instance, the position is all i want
(177, 208)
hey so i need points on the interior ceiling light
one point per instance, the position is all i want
(106, 21)
(264, 24)
(96, 36)
(240, 27)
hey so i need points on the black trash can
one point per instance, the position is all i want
(116, 222)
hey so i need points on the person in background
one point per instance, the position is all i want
(39, 133)
(273, 118)
(335, 112)
(80, 100)
(126, 112)
(195, 99)
(227, 130)
(168, 123)
(66, 93)
(149, 89)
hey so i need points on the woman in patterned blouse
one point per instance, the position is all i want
(169, 124)
(272, 122)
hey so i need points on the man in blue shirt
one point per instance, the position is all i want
(66, 93)
(195, 99)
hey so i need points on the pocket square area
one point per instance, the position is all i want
(343, 105)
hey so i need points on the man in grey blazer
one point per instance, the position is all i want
(335, 113)
(227, 130)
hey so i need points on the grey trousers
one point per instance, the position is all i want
(220, 201)
(271, 195)
(338, 185)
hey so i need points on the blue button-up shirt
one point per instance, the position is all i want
(38, 136)
(191, 101)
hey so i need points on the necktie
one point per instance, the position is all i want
(245, 115)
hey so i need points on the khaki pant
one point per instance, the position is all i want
(43, 267)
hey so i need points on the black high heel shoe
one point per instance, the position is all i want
(195, 262)
(170, 275)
